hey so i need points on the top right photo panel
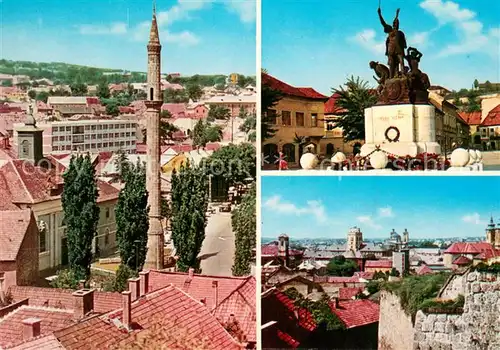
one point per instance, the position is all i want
(380, 85)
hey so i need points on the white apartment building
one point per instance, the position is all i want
(88, 136)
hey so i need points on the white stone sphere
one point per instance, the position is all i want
(339, 157)
(379, 160)
(472, 157)
(308, 161)
(459, 157)
(479, 156)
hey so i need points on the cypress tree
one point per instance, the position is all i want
(132, 218)
(189, 207)
(81, 213)
(244, 226)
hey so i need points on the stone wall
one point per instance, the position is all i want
(395, 329)
(477, 328)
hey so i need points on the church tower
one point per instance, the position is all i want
(354, 239)
(490, 232)
(30, 140)
(154, 255)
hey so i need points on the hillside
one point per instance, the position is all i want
(64, 73)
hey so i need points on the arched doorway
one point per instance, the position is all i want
(477, 139)
(270, 151)
(485, 146)
(329, 150)
(289, 152)
(493, 145)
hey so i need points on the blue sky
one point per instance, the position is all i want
(428, 206)
(319, 43)
(198, 36)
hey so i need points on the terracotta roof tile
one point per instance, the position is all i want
(11, 326)
(63, 298)
(306, 319)
(493, 117)
(331, 105)
(471, 118)
(287, 338)
(242, 304)
(356, 313)
(271, 249)
(349, 293)
(462, 260)
(45, 342)
(307, 93)
(13, 227)
(199, 287)
(423, 270)
(471, 248)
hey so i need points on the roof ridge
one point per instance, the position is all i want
(242, 278)
(237, 290)
(22, 182)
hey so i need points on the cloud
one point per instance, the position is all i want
(473, 218)
(314, 207)
(244, 8)
(366, 39)
(470, 31)
(184, 38)
(368, 220)
(385, 212)
(117, 28)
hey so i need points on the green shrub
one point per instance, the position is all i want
(65, 279)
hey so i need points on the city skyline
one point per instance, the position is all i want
(198, 37)
(375, 205)
(460, 40)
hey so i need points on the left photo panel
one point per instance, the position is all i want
(128, 175)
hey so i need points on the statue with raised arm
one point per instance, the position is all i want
(395, 45)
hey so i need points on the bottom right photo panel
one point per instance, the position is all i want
(380, 262)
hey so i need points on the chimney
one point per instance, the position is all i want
(81, 284)
(204, 301)
(231, 319)
(144, 283)
(84, 302)
(215, 285)
(31, 328)
(127, 309)
(191, 273)
(134, 285)
(336, 302)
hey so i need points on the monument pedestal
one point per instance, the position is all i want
(401, 130)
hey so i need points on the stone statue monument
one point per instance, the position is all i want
(402, 122)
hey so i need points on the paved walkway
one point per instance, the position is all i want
(217, 252)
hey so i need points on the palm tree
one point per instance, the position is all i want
(301, 141)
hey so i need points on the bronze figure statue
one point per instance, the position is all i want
(382, 73)
(413, 57)
(395, 45)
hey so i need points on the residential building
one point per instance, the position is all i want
(299, 114)
(451, 130)
(490, 130)
(13, 94)
(473, 119)
(68, 106)
(96, 135)
(235, 103)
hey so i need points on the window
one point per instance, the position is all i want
(43, 237)
(105, 136)
(106, 237)
(93, 137)
(107, 213)
(105, 145)
(87, 146)
(271, 116)
(314, 120)
(78, 130)
(289, 152)
(99, 127)
(56, 129)
(122, 134)
(299, 118)
(68, 128)
(93, 127)
(99, 145)
(117, 135)
(55, 148)
(87, 127)
(25, 148)
(286, 118)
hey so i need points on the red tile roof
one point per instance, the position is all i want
(190, 320)
(307, 93)
(423, 270)
(356, 313)
(11, 326)
(331, 105)
(336, 279)
(47, 342)
(199, 287)
(63, 298)
(386, 264)
(287, 338)
(364, 274)
(242, 304)
(493, 117)
(306, 319)
(469, 248)
(471, 118)
(126, 109)
(462, 260)
(349, 293)
(271, 249)
(176, 109)
(13, 227)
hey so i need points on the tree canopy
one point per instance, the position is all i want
(233, 162)
(340, 266)
(244, 224)
(269, 99)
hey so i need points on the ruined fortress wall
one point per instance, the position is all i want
(395, 329)
(477, 328)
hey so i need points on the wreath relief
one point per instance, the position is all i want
(388, 134)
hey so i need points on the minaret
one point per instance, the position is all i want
(154, 255)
